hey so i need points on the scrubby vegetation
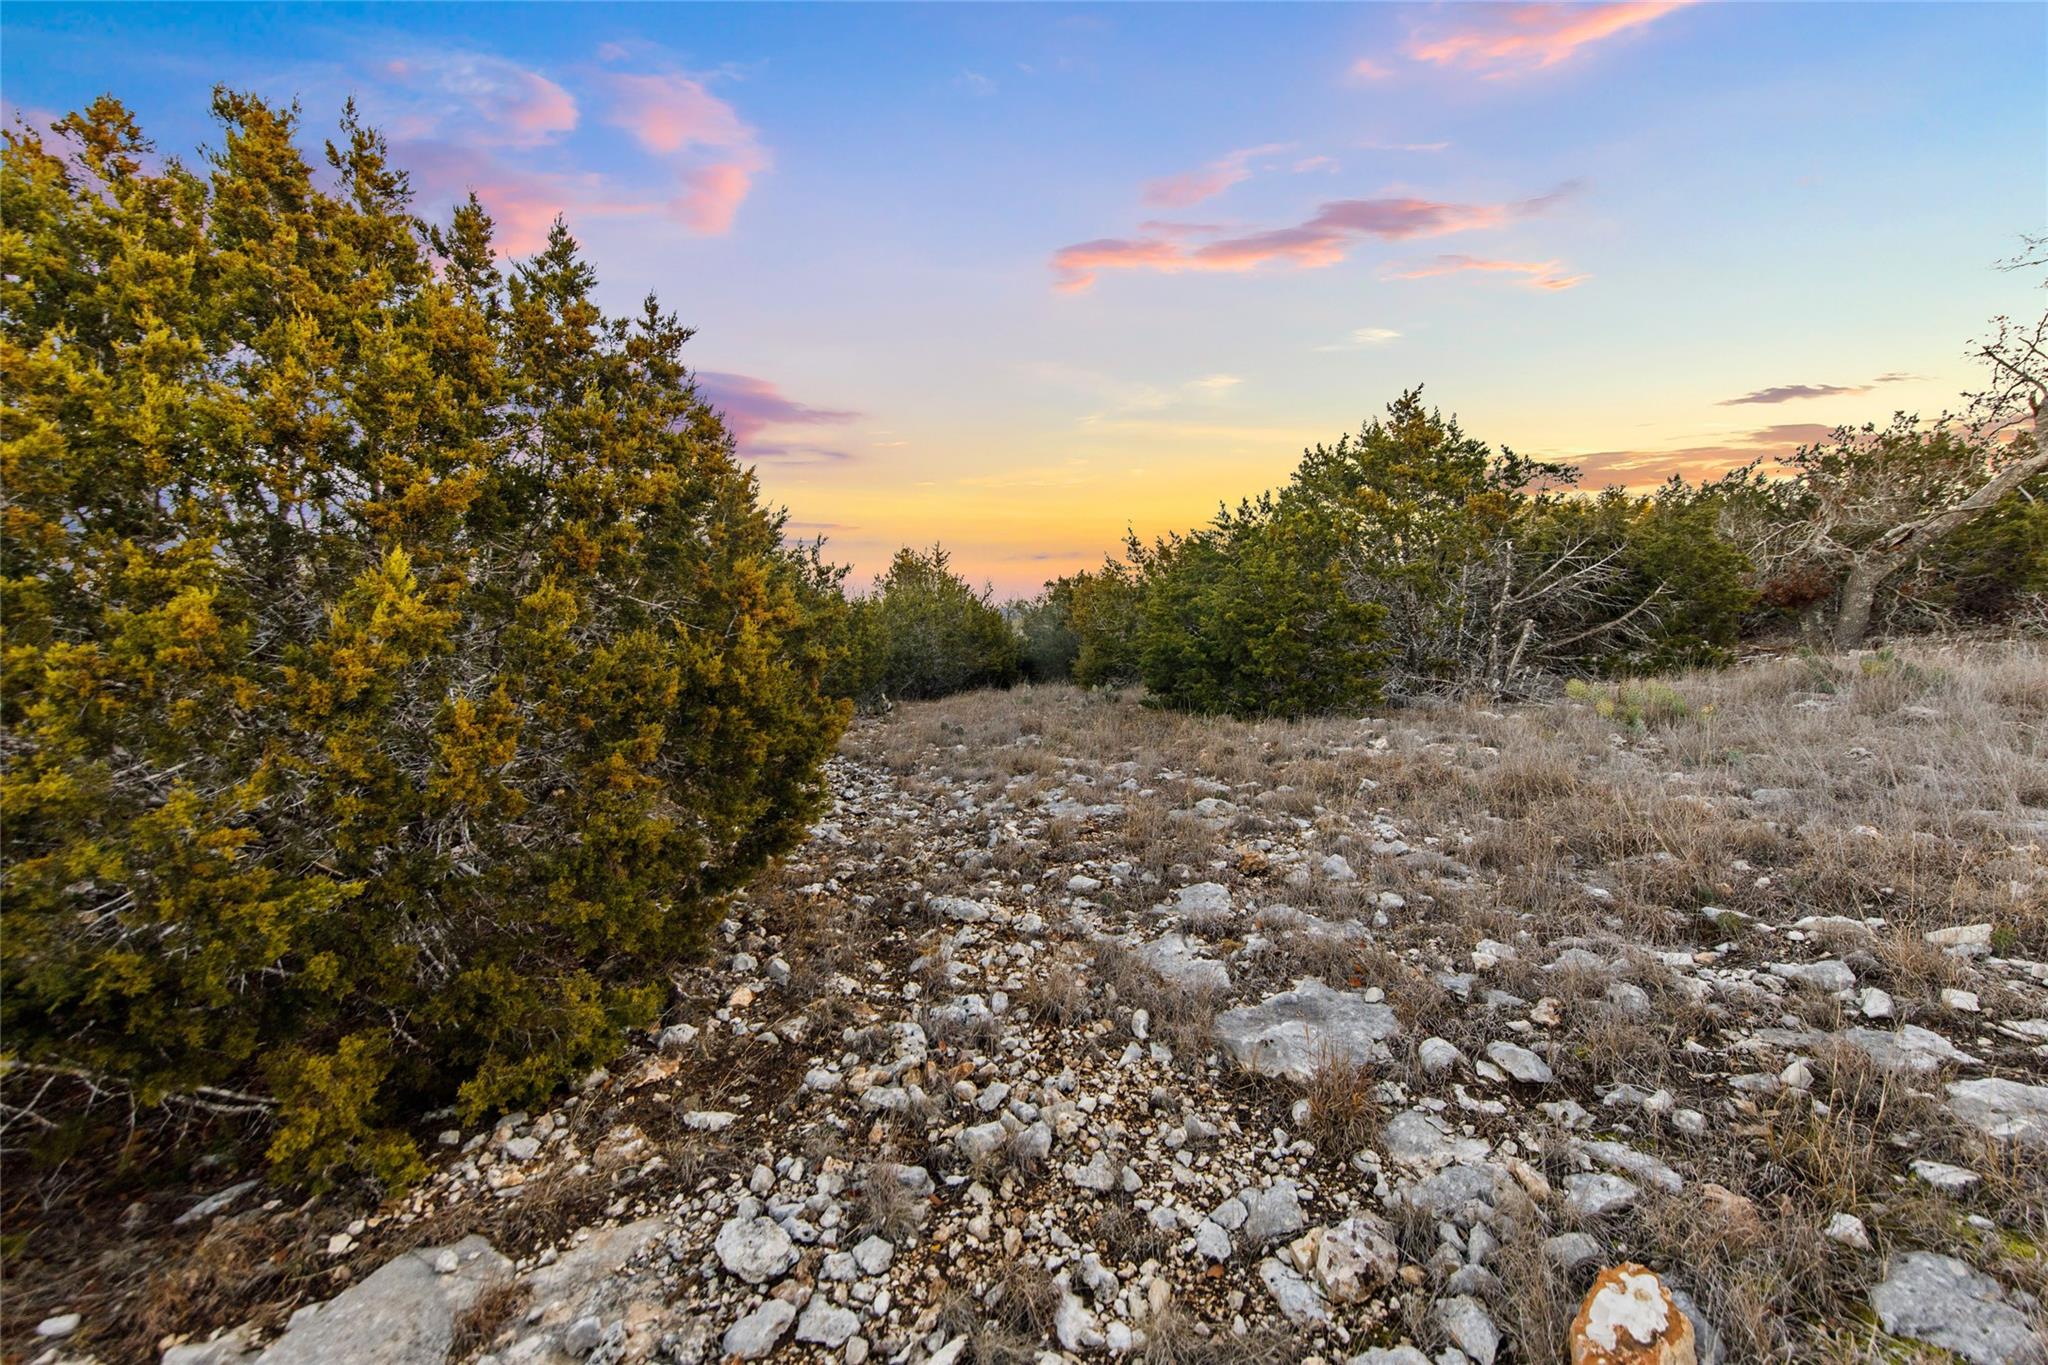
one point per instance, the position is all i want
(399, 669)
(923, 632)
(1412, 560)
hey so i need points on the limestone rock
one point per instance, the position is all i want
(1295, 1033)
(755, 1249)
(1356, 1257)
(403, 1314)
(2003, 1109)
(755, 1335)
(1944, 1302)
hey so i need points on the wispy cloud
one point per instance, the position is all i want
(1498, 40)
(1205, 182)
(752, 408)
(1322, 240)
(672, 115)
(974, 83)
(1647, 468)
(465, 121)
(1366, 69)
(1538, 274)
(1791, 393)
(523, 201)
(496, 102)
(1363, 337)
(1374, 146)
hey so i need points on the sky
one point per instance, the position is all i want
(1017, 277)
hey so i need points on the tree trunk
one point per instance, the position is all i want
(1898, 545)
(1859, 593)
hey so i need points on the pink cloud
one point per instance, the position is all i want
(751, 406)
(523, 202)
(1525, 37)
(1541, 274)
(711, 196)
(1366, 69)
(1323, 240)
(1648, 468)
(671, 113)
(1192, 187)
(674, 116)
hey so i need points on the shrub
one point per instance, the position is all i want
(1250, 617)
(1106, 610)
(922, 632)
(1047, 641)
(399, 670)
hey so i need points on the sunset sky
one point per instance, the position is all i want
(1015, 277)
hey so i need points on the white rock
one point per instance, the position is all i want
(1520, 1063)
(1437, 1056)
(1273, 1213)
(825, 1323)
(1848, 1229)
(1299, 1302)
(755, 1249)
(1469, 1327)
(1597, 1193)
(1944, 1177)
(755, 1335)
(1356, 1257)
(1074, 1326)
(1295, 1033)
(1211, 1241)
(1945, 1302)
(2005, 1109)
(1962, 1001)
(61, 1325)
(873, 1254)
(1181, 963)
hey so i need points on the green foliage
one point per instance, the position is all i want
(1250, 617)
(1412, 558)
(1672, 593)
(1047, 640)
(922, 632)
(1106, 608)
(1837, 499)
(398, 669)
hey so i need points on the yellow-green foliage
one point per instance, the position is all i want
(398, 667)
(1636, 704)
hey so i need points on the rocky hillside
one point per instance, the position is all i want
(1080, 1030)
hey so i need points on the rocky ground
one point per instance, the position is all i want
(1079, 1030)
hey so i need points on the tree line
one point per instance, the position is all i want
(1409, 559)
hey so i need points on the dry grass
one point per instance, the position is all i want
(885, 1208)
(477, 1326)
(1705, 811)
(1343, 1116)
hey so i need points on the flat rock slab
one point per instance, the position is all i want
(1947, 1303)
(1297, 1033)
(2003, 1109)
(1912, 1050)
(1182, 963)
(403, 1314)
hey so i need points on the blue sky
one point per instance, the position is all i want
(1014, 277)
